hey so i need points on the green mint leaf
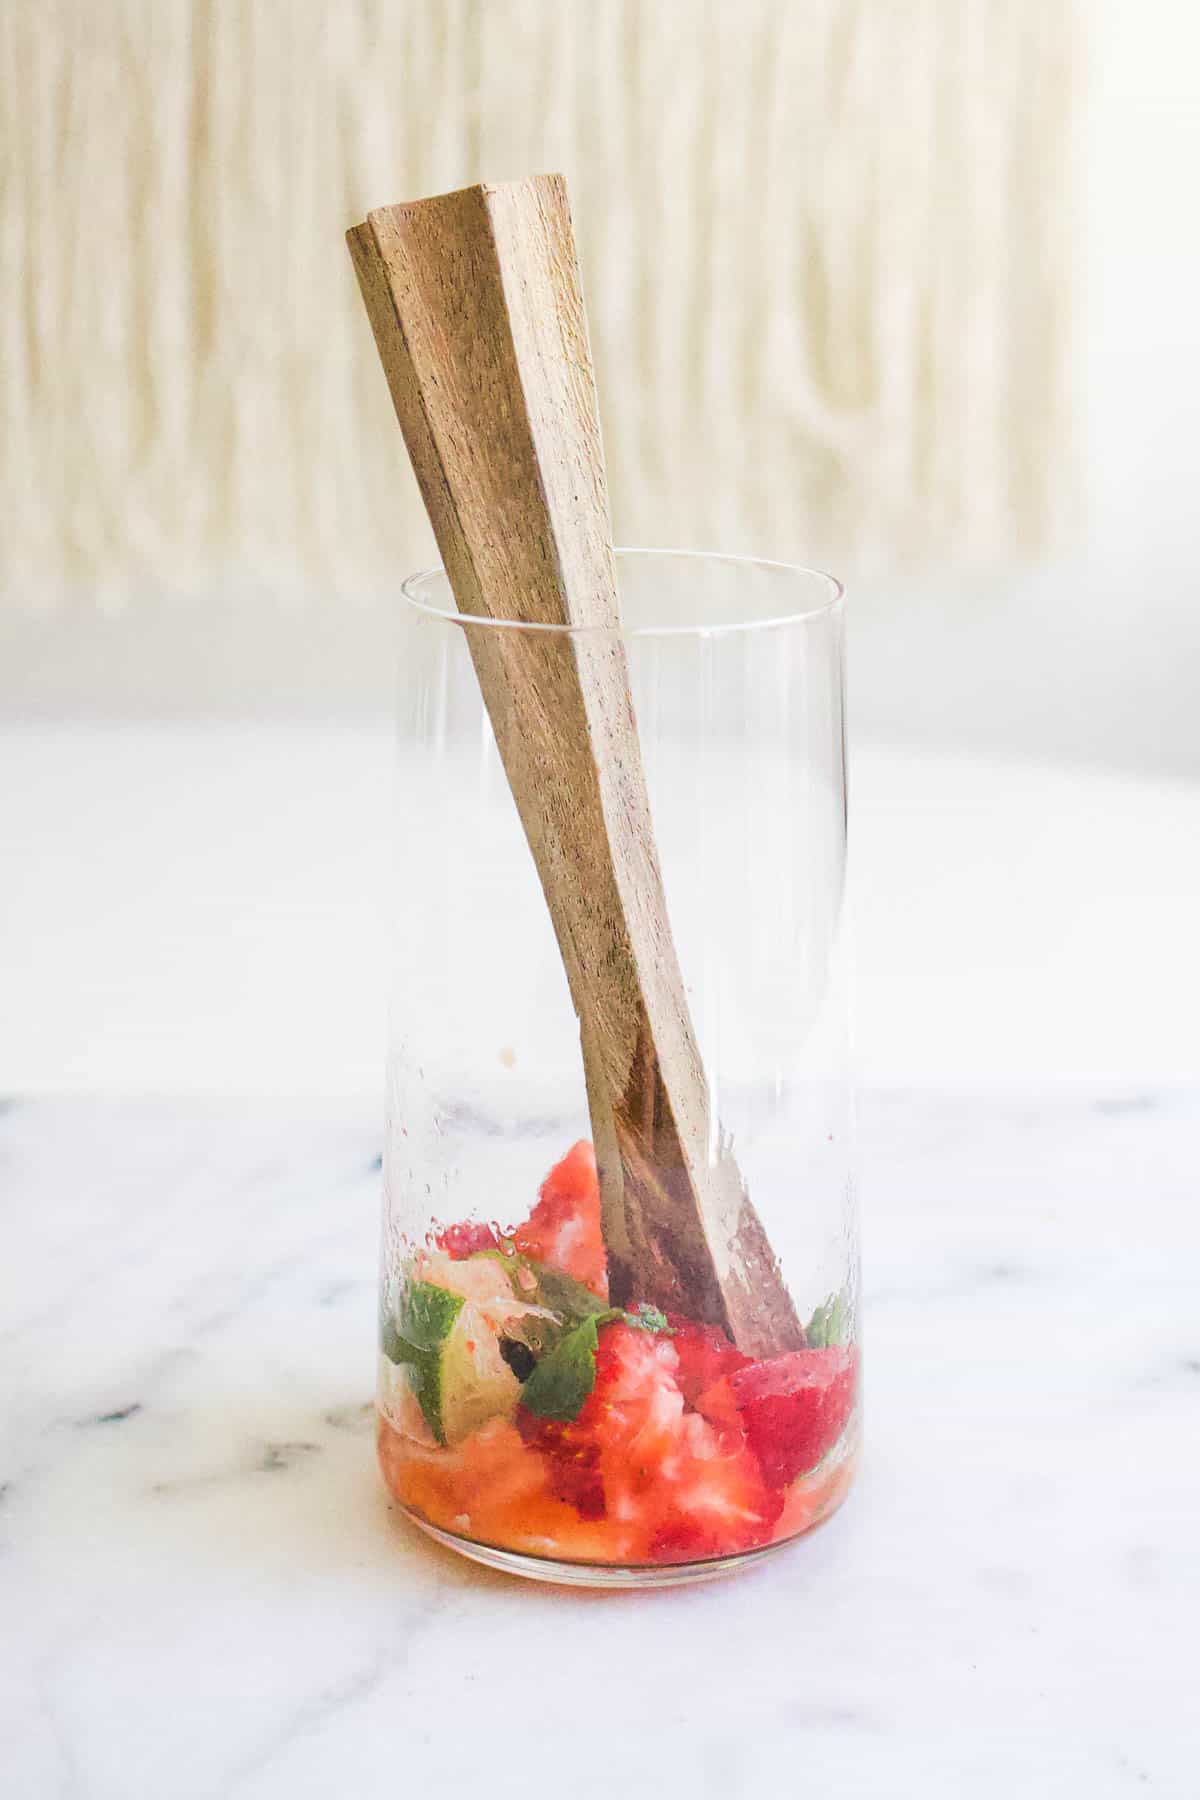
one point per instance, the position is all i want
(544, 1286)
(541, 1286)
(562, 1294)
(830, 1323)
(648, 1318)
(566, 1375)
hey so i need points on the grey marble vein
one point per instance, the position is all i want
(204, 1590)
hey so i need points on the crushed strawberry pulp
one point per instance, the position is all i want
(556, 1425)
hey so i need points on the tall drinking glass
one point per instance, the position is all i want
(524, 1418)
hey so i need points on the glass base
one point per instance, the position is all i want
(635, 1575)
(596, 1575)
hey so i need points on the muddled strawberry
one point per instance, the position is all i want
(682, 1448)
(563, 1229)
(715, 1501)
(572, 1462)
(461, 1241)
(794, 1408)
(679, 1487)
(705, 1355)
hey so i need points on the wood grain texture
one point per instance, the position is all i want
(477, 309)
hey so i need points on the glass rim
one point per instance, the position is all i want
(834, 594)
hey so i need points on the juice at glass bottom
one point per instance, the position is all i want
(520, 1410)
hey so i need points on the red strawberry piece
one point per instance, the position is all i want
(563, 1229)
(675, 1486)
(624, 1428)
(690, 1490)
(572, 1462)
(713, 1500)
(795, 1407)
(705, 1355)
(461, 1241)
(632, 1413)
(719, 1406)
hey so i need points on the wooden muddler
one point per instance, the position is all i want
(477, 309)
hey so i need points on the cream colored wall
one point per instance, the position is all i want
(827, 248)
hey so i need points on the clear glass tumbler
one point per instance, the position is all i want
(524, 1418)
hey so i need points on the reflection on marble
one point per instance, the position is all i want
(205, 1593)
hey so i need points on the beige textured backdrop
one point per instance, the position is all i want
(826, 244)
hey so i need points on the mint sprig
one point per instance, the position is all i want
(565, 1376)
(645, 1317)
(830, 1323)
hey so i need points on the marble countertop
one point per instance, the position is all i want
(163, 872)
(206, 1592)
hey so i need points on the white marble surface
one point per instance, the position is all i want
(206, 1593)
(1012, 920)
